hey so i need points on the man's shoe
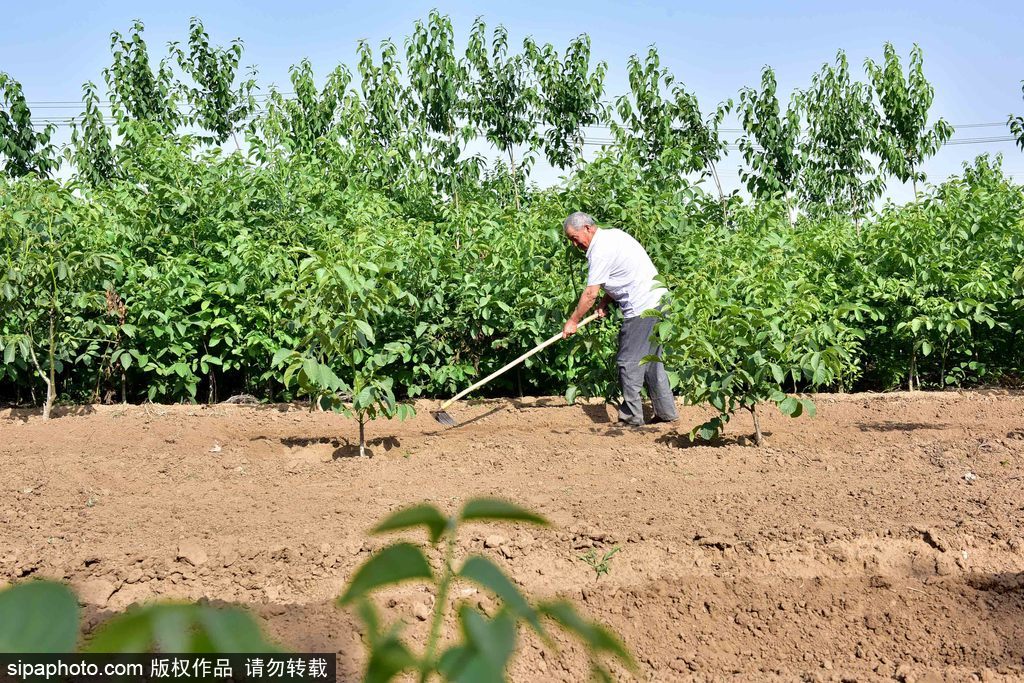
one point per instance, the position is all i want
(657, 419)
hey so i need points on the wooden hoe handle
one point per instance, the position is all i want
(537, 349)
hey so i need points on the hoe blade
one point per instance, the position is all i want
(444, 418)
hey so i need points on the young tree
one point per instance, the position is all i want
(904, 139)
(218, 106)
(662, 125)
(338, 298)
(50, 293)
(439, 81)
(569, 97)
(137, 93)
(502, 98)
(23, 150)
(304, 123)
(839, 177)
(770, 144)
(91, 151)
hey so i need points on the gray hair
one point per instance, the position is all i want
(578, 220)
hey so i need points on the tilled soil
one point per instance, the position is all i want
(879, 540)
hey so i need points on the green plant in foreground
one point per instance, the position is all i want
(486, 644)
(602, 566)
(43, 616)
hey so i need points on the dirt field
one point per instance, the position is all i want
(880, 540)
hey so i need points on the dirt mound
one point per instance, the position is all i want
(879, 540)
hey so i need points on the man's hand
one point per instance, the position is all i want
(568, 328)
(602, 309)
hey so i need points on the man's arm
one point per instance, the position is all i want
(587, 299)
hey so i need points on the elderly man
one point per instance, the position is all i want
(617, 263)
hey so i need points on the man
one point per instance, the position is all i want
(617, 263)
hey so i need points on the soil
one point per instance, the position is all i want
(879, 540)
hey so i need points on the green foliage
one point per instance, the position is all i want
(339, 295)
(217, 105)
(486, 642)
(43, 616)
(904, 139)
(569, 97)
(23, 149)
(839, 178)
(38, 616)
(757, 307)
(770, 144)
(601, 565)
(137, 92)
(942, 279)
(359, 243)
(502, 100)
(91, 151)
(50, 301)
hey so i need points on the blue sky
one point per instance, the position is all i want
(972, 53)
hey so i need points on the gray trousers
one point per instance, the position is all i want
(634, 344)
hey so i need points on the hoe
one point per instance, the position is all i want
(447, 420)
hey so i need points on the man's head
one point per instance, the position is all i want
(580, 228)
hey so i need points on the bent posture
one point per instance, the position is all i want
(620, 265)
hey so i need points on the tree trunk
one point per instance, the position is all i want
(515, 177)
(51, 391)
(362, 436)
(46, 380)
(758, 438)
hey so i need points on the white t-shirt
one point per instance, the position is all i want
(618, 263)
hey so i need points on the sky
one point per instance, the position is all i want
(971, 50)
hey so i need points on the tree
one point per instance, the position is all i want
(839, 177)
(91, 151)
(439, 80)
(502, 99)
(904, 139)
(50, 297)
(218, 105)
(137, 93)
(23, 150)
(770, 145)
(569, 97)
(662, 125)
(304, 123)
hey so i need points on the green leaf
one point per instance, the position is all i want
(232, 630)
(809, 407)
(395, 564)
(366, 330)
(418, 515)
(500, 510)
(388, 657)
(791, 407)
(9, 354)
(485, 573)
(570, 394)
(38, 616)
(596, 637)
(489, 644)
(926, 348)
